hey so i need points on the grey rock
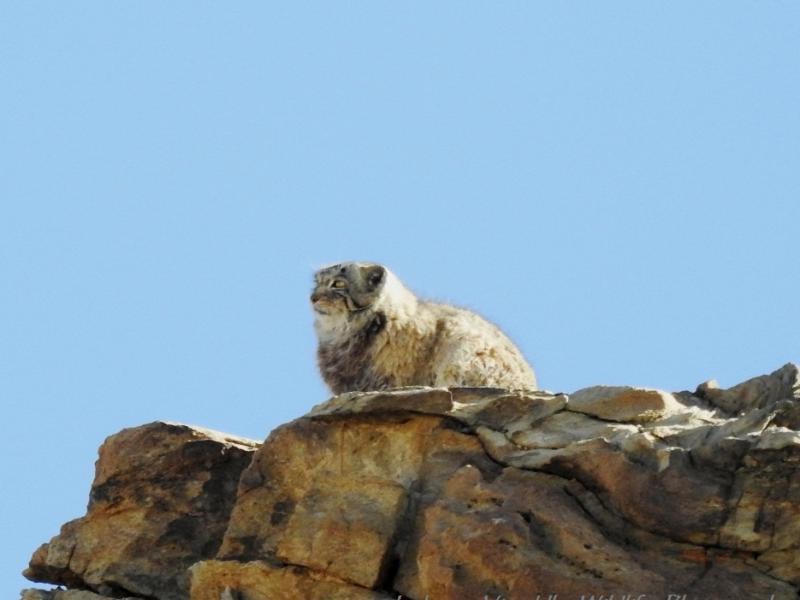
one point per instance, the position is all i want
(627, 404)
(757, 392)
(565, 428)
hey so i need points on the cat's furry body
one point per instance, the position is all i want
(375, 334)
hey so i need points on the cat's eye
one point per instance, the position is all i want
(339, 284)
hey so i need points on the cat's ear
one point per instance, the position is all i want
(374, 275)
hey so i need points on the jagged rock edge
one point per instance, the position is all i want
(467, 428)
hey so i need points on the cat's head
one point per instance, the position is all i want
(346, 288)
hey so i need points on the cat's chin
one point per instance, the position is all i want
(330, 316)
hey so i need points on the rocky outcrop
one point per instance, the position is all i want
(160, 501)
(64, 595)
(453, 494)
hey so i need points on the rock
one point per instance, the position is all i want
(465, 493)
(449, 533)
(628, 404)
(330, 495)
(413, 399)
(777, 438)
(67, 595)
(481, 536)
(755, 393)
(764, 505)
(676, 500)
(159, 502)
(231, 580)
(504, 411)
(566, 428)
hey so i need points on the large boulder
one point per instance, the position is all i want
(463, 493)
(160, 501)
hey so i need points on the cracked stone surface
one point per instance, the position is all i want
(231, 580)
(33, 594)
(465, 493)
(160, 501)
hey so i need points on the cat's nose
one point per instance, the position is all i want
(315, 296)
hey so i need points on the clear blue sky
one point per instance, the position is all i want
(617, 184)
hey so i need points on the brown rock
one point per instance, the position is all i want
(338, 520)
(231, 580)
(331, 494)
(677, 501)
(464, 493)
(465, 527)
(764, 513)
(482, 536)
(66, 595)
(160, 501)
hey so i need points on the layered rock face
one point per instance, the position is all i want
(452, 494)
(160, 501)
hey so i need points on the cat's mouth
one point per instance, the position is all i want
(326, 305)
(323, 307)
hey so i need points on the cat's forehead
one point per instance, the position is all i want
(346, 269)
(334, 270)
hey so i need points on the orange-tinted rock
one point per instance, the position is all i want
(160, 502)
(331, 494)
(451, 494)
(231, 580)
(66, 595)
(482, 536)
